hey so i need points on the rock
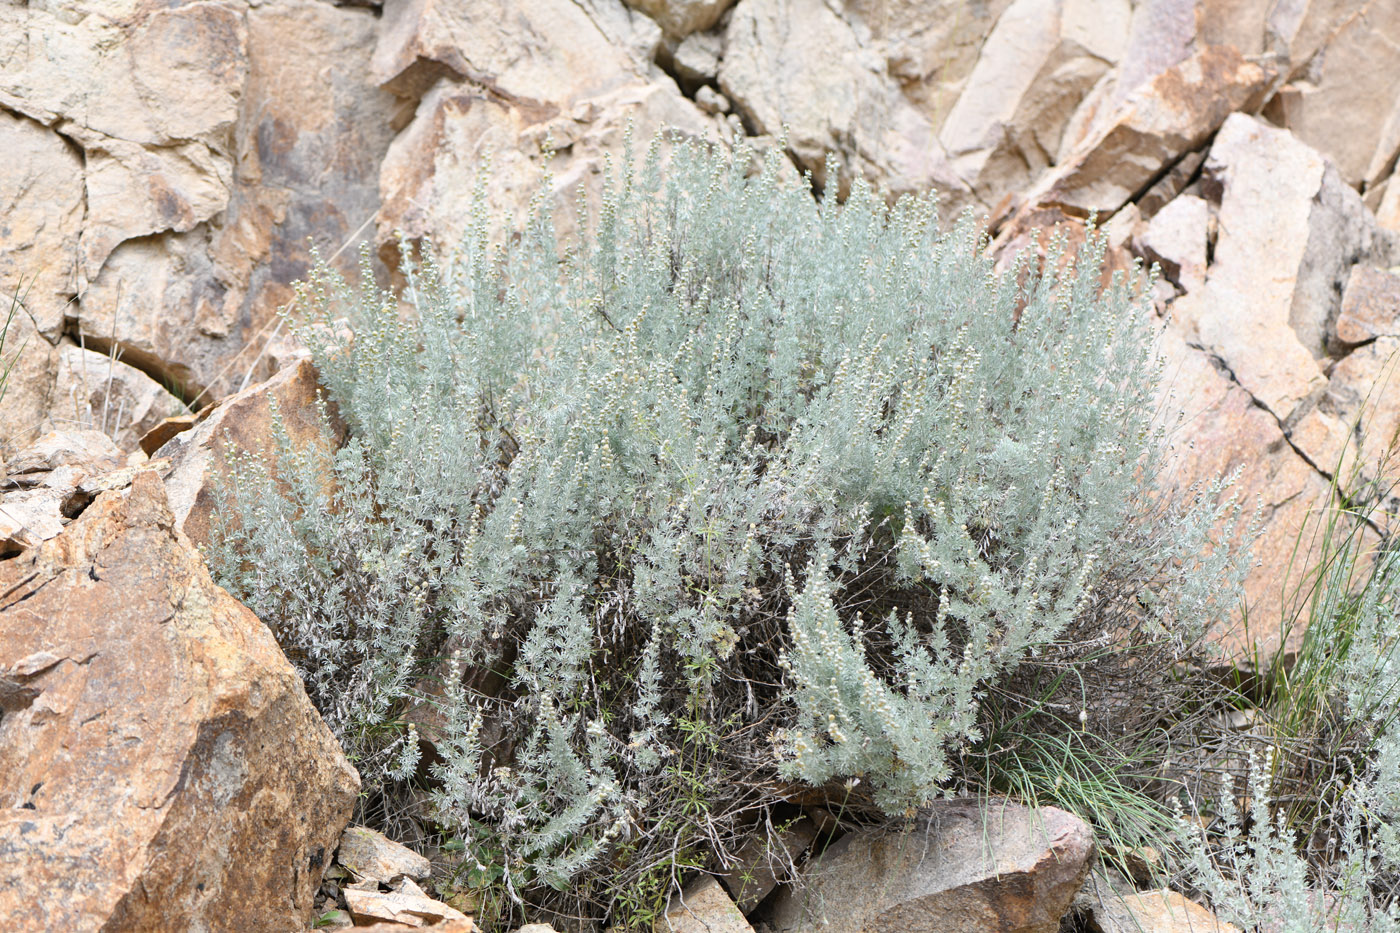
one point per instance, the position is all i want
(49, 483)
(967, 866)
(449, 926)
(431, 171)
(1215, 429)
(930, 47)
(371, 856)
(96, 390)
(697, 58)
(1348, 83)
(1035, 67)
(532, 52)
(1350, 428)
(1176, 239)
(797, 65)
(245, 422)
(680, 18)
(761, 868)
(703, 907)
(1388, 210)
(1161, 911)
(406, 904)
(1370, 306)
(149, 98)
(1159, 123)
(41, 197)
(86, 448)
(306, 145)
(163, 431)
(1289, 231)
(164, 768)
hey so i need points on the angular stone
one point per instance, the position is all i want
(48, 483)
(702, 907)
(1161, 911)
(372, 856)
(1346, 85)
(95, 390)
(1035, 67)
(306, 142)
(967, 866)
(1176, 239)
(533, 51)
(930, 47)
(1165, 118)
(797, 65)
(406, 904)
(31, 361)
(86, 448)
(761, 868)
(1289, 231)
(1350, 429)
(149, 96)
(164, 768)
(1370, 305)
(679, 18)
(449, 926)
(156, 437)
(244, 422)
(697, 58)
(430, 173)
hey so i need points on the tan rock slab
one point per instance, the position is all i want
(1349, 85)
(430, 174)
(1215, 429)
(702, 907)
(1370, 305)
(1165, 118)
(406, 905)
(41, 199)
(1289, 231)
(1035, 67)
(541, 51)
(797, 65)
(680, 18)
(372, 856)
(1176, 238)
(100, 391)
(967, 866)
(245, 422)
(164, 430)
(164, 769)
(1160, 911)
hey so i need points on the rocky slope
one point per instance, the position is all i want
(171, 167)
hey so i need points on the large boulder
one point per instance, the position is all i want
(992, 867)
(163, 767)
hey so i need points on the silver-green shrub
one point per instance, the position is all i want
(737, 490)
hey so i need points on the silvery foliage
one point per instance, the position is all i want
(650, 475)
(1255, 876)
